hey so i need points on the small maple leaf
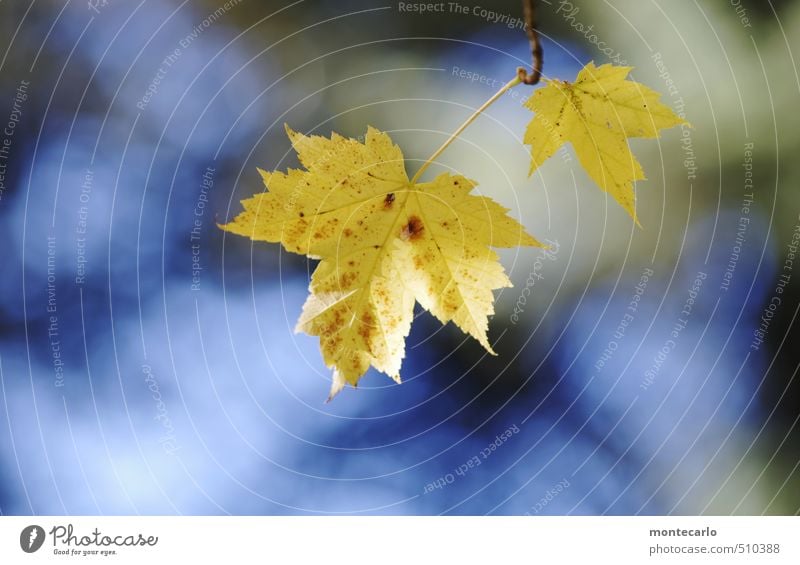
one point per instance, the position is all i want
(384, 242)
(597, 114)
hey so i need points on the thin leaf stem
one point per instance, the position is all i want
(529, 13)
(511, 84)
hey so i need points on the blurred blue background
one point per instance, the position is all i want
(148, 362)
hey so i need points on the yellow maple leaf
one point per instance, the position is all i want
(384, 242)
(597, 113)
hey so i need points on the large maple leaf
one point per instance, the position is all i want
(384, 242)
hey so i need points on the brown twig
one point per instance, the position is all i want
(529, 13)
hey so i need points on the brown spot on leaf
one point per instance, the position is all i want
(413, 229)
(347, 279)
(348, 232)
(367, 327)
(450, 307)
(388, 201)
